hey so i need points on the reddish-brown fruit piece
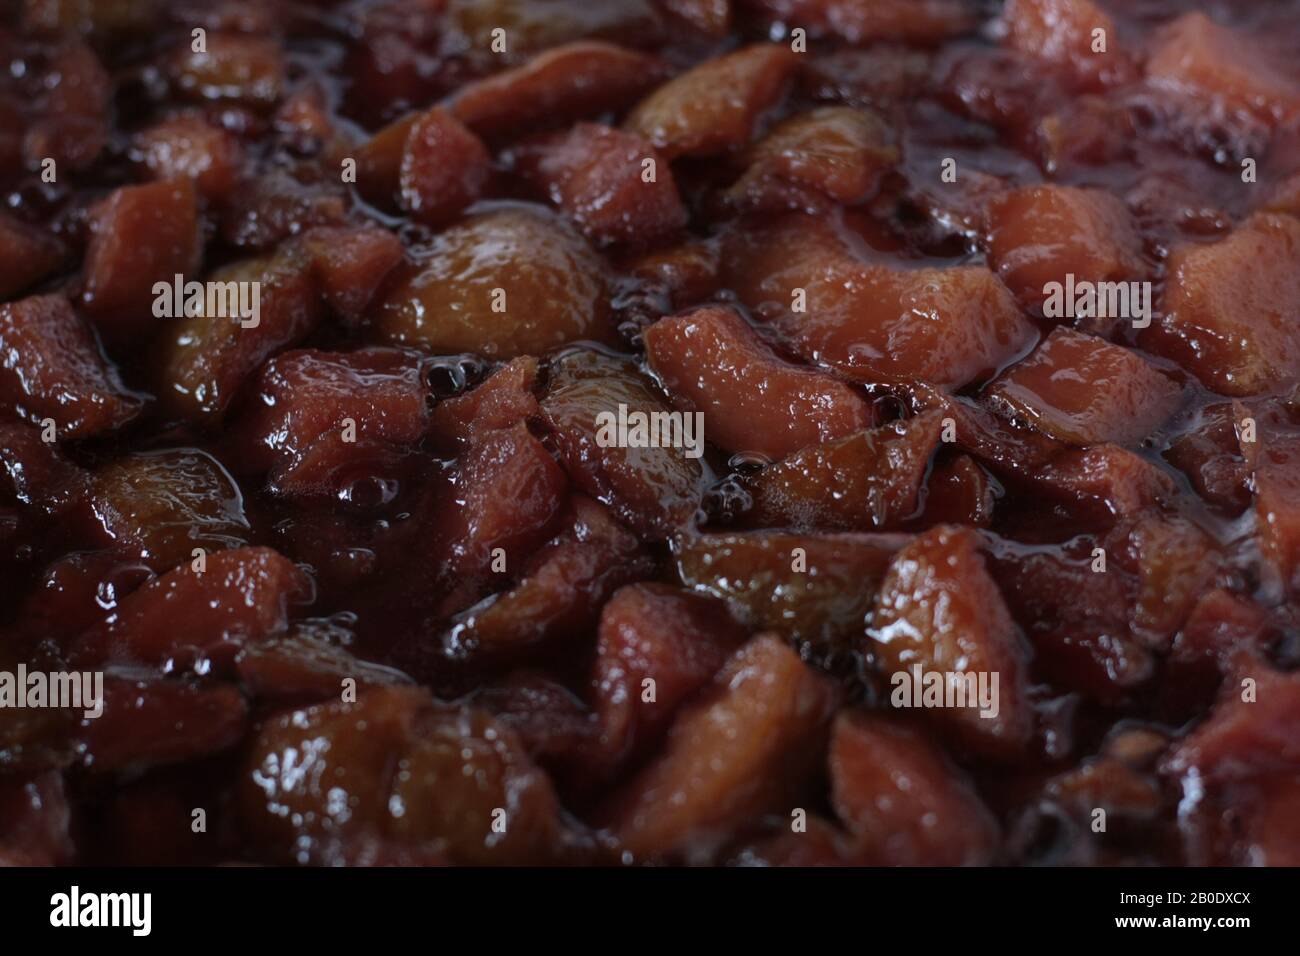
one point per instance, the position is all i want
(139, 236)
(207, 358)
(560, 85)
(1104, 479)
(28, 254)
(688, 273)
(1285, 197)
(656, 633)
(745, 747)
(71, 127)
(864, 21)
(1245, 737)
(317, 413)
(153, 723)
(940, 611)
(900, 797)
(1275, 458)
(598, 177)
(1209, 454)
(1193, 53)
(816, 589)
(157, 507)
(351, 263)
(248, 69)
(398, 767)
(655, 490)
(444, 168)
(35, 821)
(1041, 234)
(873, 322)
(712, 362)
(189, 147)
(558, 595)
(241, 596)
(710, 17)
(1076, 618)
(1063, 33)
(52, 366)
(307, 665)
(546, 284)
(1229, 308)
(504, 398)
(1174, 562)
(837, 152)
(713, 108)
(871, 480)
(36, 472)
(1083, 390)
(277, 206)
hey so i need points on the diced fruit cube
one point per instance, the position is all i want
(1074, 34)
(599, 178)
(1228, 309)
(863, 21)
(1195, 53)
(901, 798)
(655, 489)
(27, 254)
(188, 615)
(746, 747)
(157, 507)
(940, 611)
(444, 168)
(506, 397)
(52, 366)
(713, 108)
(140, 236)
(189, 147)
(657, 646)
(351, 264)
(712, 362)
(512, 281)
(1083, 390)
(247, 69)
(872, 322)
(560, 85)
(1041, 234)
(871, 480)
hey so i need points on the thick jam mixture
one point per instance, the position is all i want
(751, 432)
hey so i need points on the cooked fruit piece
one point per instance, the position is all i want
(1083, 390)
(712, 362)
(746, 747)
(873, 322)
(713, 108)
(613, 184)
(149, 723)
(248, 69)
(27, 254)
(710, 17)
(818, 590)
(532, 26)
(1077, 618)
(658, 645)
(959, 491)
(654, 488)
(1195, 54)
(687, 273)
(1042, 234)
(862, 21)
(307, 664)
(157, 507)
(51, 366)
(444, 168)
(35, 821)
(1174, 562)
(1209, 454)
(511, 281)
(70, 122)
(1250, 731)
(1104, 480)
(506, 397)
(1075, 35)
(555, 87)
(267, 212)
(320, 416)
(189, 147)
(898, 795)
(837, 152)
(1228, 309)
(398, 766)
(559, 595)
(37, 473)
(140, 235)
(190, 615)
(871, 480)
(940, 611)
(205, 359)
(351, 263)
